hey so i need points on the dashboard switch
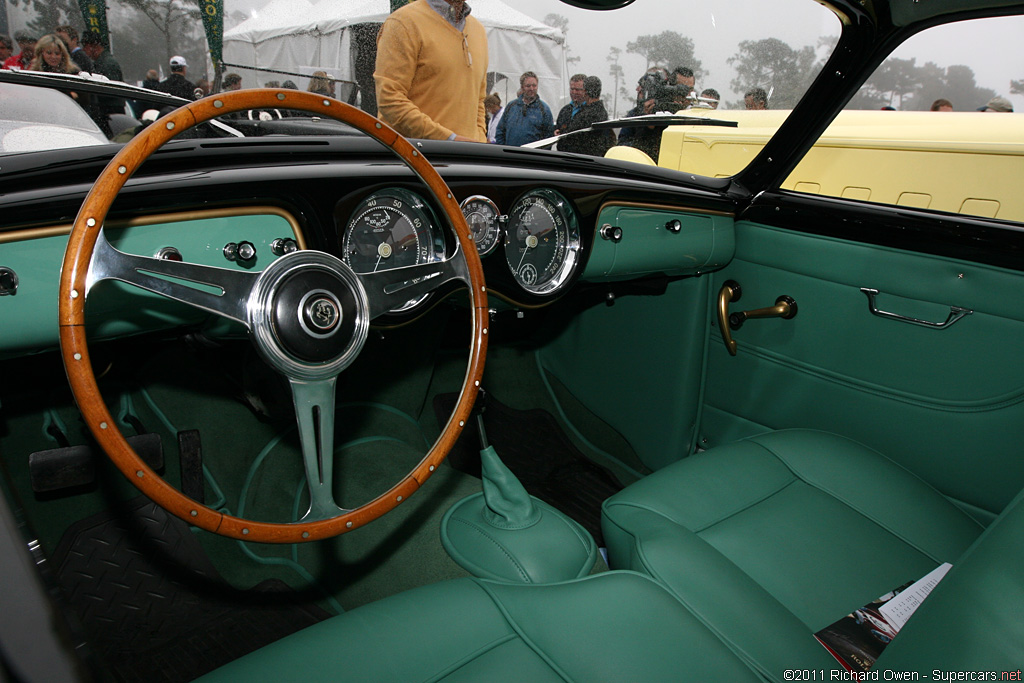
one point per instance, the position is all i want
(169, 254)
(674, 225)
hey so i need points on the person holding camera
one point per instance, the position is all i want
(649, 90)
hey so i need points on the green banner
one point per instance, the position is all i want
(95, 14)
(213, 23)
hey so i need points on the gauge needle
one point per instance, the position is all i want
(383, 251)
(531, 242)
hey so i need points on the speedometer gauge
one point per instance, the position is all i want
(391, 229)
(542, 242)
(483, 218)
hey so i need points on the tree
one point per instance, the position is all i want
(771, 64)
(174, 19)
(903, 84)
(668, 49)
(897, 78)
(618, 80)
(562, 24)
(52, 13)
(1017, 87)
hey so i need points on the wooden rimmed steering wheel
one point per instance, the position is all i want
(307, 314)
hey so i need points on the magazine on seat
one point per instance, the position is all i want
(858, 639)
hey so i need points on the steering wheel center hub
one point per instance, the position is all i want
(320, 313)
(309, 315)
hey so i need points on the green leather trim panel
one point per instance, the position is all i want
(115, 309)
(928, 398)
(651, 350)
(608, 627)
(704, 242)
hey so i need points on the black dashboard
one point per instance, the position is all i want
(543, 221)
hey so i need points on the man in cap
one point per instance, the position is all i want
(998, 104)
(27, 42)
(176, 84)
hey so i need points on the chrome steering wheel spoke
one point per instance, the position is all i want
(314, 409)
(388, 290)
(216, 290)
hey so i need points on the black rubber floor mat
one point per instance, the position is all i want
(534, 447)
(152, 606)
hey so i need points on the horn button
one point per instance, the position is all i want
(314, 316)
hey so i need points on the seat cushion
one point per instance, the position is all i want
(616, 626)
(972, 620)
(771, 539)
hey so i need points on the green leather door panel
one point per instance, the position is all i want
(637, 365)
(947, 403)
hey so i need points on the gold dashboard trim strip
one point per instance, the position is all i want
(664, 207)
(174, 217)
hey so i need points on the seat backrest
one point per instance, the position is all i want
(974, 619)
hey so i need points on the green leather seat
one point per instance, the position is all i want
(756, 546)
(771, 539)
(617, 626)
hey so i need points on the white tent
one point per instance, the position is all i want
(294, 36)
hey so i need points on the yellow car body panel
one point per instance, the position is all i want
(960, 162)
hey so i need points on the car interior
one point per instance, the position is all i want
(355, 407)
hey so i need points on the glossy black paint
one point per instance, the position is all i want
(981, 240)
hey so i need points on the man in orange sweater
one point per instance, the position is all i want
(431, 72)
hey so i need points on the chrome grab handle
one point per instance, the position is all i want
(955, 313)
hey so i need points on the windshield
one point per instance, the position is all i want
(559, 69)
(645, 58)
(32, 120)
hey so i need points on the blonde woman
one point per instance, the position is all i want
(52, 56)
(321, 84)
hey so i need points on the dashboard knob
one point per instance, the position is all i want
(283, 245)
(8, 282)
(240, 252)
(611, 232)
(674, 225)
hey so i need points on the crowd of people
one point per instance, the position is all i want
(430, 82)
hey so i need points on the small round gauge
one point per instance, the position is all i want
(542, 242)
(482, 216)
(391, 229)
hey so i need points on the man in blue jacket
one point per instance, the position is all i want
(526, 118)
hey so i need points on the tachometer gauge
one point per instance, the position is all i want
(483, 216)
(391, 229)
(542, 241)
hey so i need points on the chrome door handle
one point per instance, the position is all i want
(955, 313)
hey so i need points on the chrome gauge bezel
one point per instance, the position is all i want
(559, 271)
(409, 203)
(495, 231)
